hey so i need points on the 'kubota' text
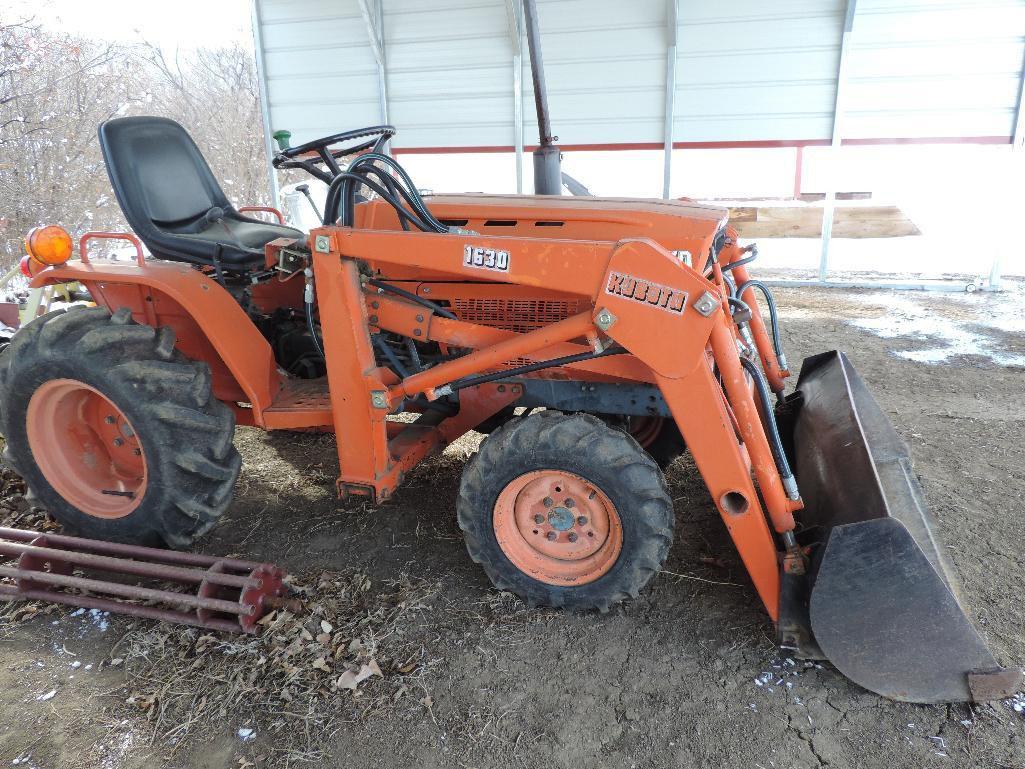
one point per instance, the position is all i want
(669, 299)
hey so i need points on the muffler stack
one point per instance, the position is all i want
(885, 606)
(225, 593)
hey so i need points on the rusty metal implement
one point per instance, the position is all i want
(226, 593)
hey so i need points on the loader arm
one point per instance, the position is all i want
(663, 313)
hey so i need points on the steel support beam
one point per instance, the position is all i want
(1018, 133)
(261, 76)
(829, 204)
(373, 17)
(956, 287)
(514, 16)
(996, 277)
(672, 25)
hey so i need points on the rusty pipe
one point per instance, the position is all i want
(226, 593)
(10, 593)
(131, 551)
(126, 566)
(125, 591)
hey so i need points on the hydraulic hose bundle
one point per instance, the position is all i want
(398, 192)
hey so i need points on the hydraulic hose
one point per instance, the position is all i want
(412, 197)
(770, 302)
(739, 262)
(389, 353)
(739, 304)
(337, 184)
(769, 419)
(514, 372)
(313, 328)
(415, 199)
(436, 308)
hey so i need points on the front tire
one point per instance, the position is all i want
(115, 432)
(565, 511)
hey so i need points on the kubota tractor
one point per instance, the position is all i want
(590, 338)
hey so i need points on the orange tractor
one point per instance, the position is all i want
(592, 339)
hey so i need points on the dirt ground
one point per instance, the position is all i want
(686, 675)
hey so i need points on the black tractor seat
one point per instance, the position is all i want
(172, 200)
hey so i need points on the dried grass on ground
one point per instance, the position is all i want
(352, 651)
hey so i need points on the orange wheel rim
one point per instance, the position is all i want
(86, 448)
(645, 429)
(558, 528)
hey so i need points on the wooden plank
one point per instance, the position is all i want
(806, 222)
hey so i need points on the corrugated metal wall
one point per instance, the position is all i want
(750, 70)
(747, 71)
(933, 68)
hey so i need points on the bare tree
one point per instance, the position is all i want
(214, 94)
(55, 90)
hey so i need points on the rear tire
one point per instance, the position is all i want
(104, 401)
(598, 487)
(659, 436)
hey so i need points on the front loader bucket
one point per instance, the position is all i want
(885, 605)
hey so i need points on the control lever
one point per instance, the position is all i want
(305, 190)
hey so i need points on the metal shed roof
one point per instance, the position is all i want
(746, 72)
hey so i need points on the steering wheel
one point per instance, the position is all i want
(324, 152)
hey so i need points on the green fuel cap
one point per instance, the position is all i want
(282, 137)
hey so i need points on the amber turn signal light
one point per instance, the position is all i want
(50, 245)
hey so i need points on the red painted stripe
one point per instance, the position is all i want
(756, 144)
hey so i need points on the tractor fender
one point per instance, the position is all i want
(209, 324)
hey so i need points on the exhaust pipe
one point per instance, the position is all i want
(547, 157)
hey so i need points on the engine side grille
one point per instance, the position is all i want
(519, 315)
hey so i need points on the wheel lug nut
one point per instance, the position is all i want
(548, 501)
(552, 536)
(581, 521)
(572, 536)
(118, 442)
(570, 503)
(539, 519)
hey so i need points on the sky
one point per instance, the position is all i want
(176, 24)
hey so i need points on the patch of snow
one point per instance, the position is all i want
(48, 696)
(1016, 703)
(905, 318)
(99, 619)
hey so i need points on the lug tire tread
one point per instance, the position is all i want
(584, 445)
(186, 433)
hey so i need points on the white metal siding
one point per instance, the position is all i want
(605, 68)
(320, 70)
(747, 70)
(449, 72)
(934, 68)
